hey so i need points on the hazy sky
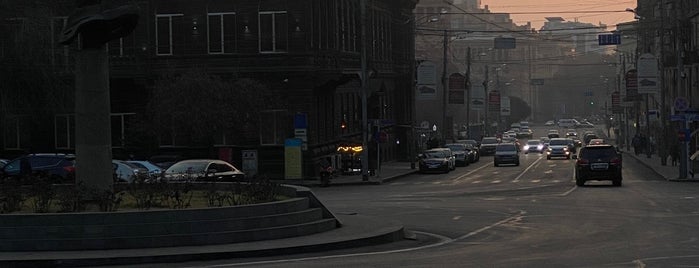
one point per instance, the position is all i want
(543, 7)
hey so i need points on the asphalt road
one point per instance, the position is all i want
(530, 215)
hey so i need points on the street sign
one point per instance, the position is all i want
(648, 74)
(632, 86)
(681, 104)
(609, 39)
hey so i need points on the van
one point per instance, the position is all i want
(567, 123)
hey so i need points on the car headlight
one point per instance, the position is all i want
(540, 147)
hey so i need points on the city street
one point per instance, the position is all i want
(530, 215)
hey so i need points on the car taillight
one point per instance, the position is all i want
(582, 162)
(69, 169)
(616, 161)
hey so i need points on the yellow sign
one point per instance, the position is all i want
(293, 159)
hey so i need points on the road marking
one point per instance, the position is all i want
(475, 182)
(548, 171)
(527, 169)
(470, 172)
(456, 218)
(496, 181)
(536, 181)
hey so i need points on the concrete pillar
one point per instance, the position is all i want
(93, 141)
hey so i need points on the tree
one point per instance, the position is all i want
(519, 109)
(196, 107)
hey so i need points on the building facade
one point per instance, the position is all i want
(306, 52)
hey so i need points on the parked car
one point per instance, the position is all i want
(461, 156)
(59, 168)
(153, 170)
(3, 162)
(166, 160)
(558, 147)
(128, 172)
(488, 145)
(437, 159)
(598, 162)
(473, 153)
(534, 146)
(203, 170)
(506, 153)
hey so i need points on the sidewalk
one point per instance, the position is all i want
(389, 171)
(669, 172)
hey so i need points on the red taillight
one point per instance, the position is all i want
(616, 161)
(69, 169)
(583, 162)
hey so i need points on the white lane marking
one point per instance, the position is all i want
(470, 172)
(443, 240)
(569, 191)
(456, 218)
(496, 181)
(475, 182)
(526, 169)
(437, 182)
(548, 171)
(536, 181)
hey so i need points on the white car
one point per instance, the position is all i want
(126, 172)
(549, 123)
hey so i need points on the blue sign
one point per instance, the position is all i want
(300, 120)
(609, 39)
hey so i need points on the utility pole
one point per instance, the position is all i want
(365, 120)
(486, 103)
(468, 92)
(444, 90)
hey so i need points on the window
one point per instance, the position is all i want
(163, 33)
(274, 127)
(273, 31)
(64, 131)
(221, 32)
(17, 131)
(120, 123)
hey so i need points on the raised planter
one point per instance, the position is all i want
(300, 215)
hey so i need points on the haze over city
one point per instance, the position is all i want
(535, 11)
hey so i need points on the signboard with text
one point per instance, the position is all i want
(648, 74)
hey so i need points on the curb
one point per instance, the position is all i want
(384, 233)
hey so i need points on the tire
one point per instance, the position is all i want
(495, 164)
(617, 182)
(579, 182)
(548, 157)
(517, 164)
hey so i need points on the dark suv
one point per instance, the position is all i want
(60, 168)
(598, 162)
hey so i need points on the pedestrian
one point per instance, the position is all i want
(636, 142)
(674, 153)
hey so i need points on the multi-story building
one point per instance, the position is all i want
(306, 52)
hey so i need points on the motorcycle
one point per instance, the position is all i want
(326, 173)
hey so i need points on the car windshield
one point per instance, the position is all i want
(435, 154)
(456, 147)
(558, 142)
(533, 142)
(506, 147)
(489, 140)
(597, 152)
(188, 167)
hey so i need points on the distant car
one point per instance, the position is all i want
(127, 172)
(549, 123)
(596, 142)
(203, 170)
(567, 123)
(461, 154)
(585, 125)
(473, 153)
(588, 137)
(598, 162)
(153, 170)
(558, 147)
(437, 159)
(59, 168)
(534, 146)
(488, 145)
(506, 153)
